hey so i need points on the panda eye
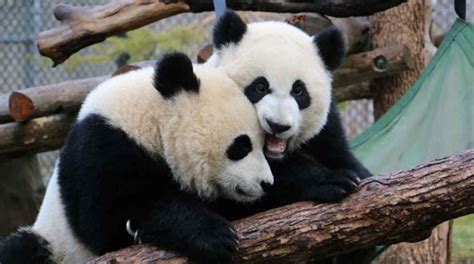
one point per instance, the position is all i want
(257, 89)
(261, 88)
(298, 89)
(240, 148)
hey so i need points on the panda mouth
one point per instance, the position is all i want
(275, 147)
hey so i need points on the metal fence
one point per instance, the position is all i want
(21, 66)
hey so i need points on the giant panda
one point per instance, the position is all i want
(151, 152)
(286, 74)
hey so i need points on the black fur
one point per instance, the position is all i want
(105, 179)
(301, 95)
(331, 47)
(229, 29)
(174, 73)
(277, 128)
(257, 89)
(25, 247)
(240, 147)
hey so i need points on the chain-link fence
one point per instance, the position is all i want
(21, 66)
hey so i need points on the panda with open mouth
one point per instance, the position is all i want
(286, 75)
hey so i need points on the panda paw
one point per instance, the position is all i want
(215, 243)
(337, 186)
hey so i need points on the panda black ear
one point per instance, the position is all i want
(174, 73)
(331, 46)
(229, 29)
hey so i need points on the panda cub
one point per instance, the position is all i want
(285, 74)
(152, 149)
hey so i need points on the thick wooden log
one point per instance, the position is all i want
(373, 64)
(360, 67)
(50, 99)
(402, 206)
(352, 92)
(37, 135)
(356, 30)
(67, 97)
(84, 26)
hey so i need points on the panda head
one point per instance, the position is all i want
(284, 72)
(211, 139)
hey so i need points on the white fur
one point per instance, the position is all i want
(282, 54)
(176, 128)
(52, 225)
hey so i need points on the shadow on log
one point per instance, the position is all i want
(402, 206)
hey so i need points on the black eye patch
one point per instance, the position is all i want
(256, 90)
(299, 92)
(239, 148)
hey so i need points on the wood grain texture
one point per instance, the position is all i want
(402, 206)
(47, 100)
(37, 135)
(408, 24)
(84, 26)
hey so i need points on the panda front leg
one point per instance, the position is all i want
(181, 223)
(299, 177)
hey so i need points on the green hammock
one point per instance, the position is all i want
(435, 118)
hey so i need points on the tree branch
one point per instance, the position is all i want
(37, 135)
(67, 96)
(84, 26)
(402, 206)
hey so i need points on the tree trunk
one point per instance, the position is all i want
(407, 24)
(21, 190)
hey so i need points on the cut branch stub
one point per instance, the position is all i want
(21, 106)
(49, 99)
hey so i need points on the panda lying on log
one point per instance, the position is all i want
(153, 150)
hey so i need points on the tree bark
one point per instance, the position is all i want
(50, 99)
(84, 26)
(38, 135)
(402, 206)
(21, 191)
(407, 24)
(65, 97)
(356, 30)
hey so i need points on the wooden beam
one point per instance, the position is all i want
(47, 100)
(373, 64)
(37, 135)
(352, 92)
(67, 97)
(356, 30)
(84, 26)
(402, 206)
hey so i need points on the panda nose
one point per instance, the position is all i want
(277, 128)
(265, 186)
